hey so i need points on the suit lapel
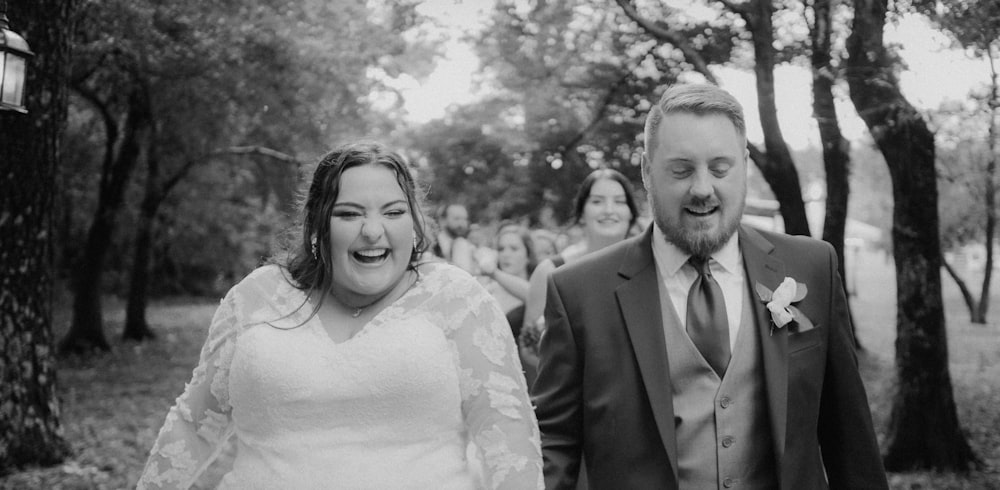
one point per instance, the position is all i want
(639, 300)
(761, 267)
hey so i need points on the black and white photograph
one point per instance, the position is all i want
(500, 244)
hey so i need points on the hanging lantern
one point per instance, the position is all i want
(14, 54)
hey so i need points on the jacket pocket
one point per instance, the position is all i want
(802, 341)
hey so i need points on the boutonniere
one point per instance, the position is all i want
(779, 303)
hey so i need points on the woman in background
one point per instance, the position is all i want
(544, 243)
(508, 270)
(353, 363)
(605, 209)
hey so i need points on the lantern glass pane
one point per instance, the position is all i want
(13, 87)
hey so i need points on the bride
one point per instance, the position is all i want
(354, 364)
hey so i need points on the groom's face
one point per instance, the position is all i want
(695, 174)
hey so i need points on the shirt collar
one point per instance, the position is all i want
(670, 259)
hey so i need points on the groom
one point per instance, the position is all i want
(702, 353)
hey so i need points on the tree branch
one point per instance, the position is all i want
(257, 150)
(966, 294)
(758, 156)
(182, 172)
(663, 33)
(110, 127)
(599, 116)
(80, 75)
(737, 8)
(606, 102)
(169, 184)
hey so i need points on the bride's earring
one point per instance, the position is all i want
(314, 248)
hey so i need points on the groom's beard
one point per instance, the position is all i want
(700, 242)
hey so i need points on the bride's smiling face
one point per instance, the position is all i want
(371, 233)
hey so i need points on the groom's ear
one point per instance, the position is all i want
(644, 167)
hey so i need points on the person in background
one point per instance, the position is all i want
(702, 354)
(452, 242)
(544, 243)
(352, 362)
(507, 269)
(605, 209)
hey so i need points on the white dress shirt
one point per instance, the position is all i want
(678, 276)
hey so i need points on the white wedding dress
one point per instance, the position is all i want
(394, 407)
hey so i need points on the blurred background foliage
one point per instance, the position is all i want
(190, 125)
(295, 77)
(221, 82)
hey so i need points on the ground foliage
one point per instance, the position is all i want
(113, 405)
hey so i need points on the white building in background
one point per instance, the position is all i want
(765, 214)
(970, 259)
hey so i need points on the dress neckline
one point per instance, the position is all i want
(374, 321)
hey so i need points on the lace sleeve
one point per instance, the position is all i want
(498, 414)
(199, 424)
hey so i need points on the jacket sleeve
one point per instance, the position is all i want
(557, 395)
(846, 435)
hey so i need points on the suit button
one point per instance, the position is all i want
(728, 482)
(724, 402)
(727, 441)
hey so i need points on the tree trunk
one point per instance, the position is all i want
(836, 148)
(30, 432)
(87, 330)
(924, 432)
(991, 194)
(779, 169)
(136, 326)
(979, 316)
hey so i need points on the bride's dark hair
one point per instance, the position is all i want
(307, 260)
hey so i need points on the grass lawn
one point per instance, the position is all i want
(974, 361)
(113, 405)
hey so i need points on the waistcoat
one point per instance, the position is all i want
(722, 428)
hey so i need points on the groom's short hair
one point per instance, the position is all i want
(699, 99)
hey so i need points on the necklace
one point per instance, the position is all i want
(358, 310)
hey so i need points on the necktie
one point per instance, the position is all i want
(707, 324)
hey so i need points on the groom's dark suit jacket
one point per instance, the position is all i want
(603, 385)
